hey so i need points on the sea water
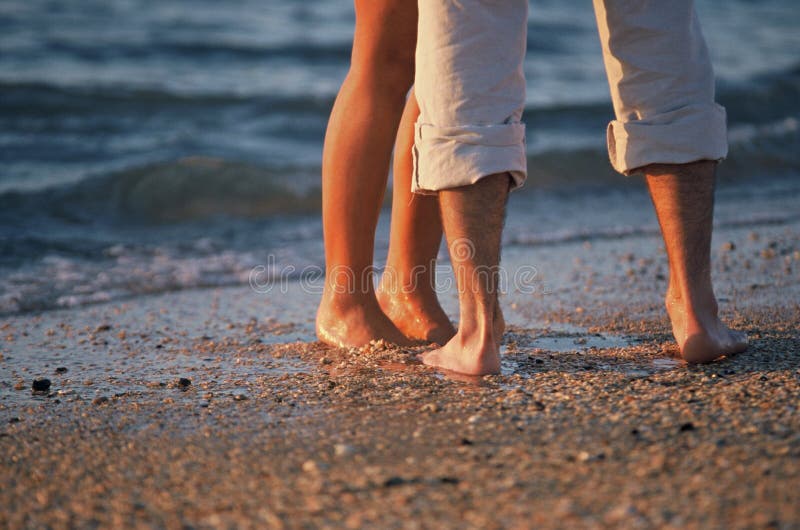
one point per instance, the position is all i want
(157, 145)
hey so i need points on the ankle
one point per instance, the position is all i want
(343, 302)
(700, 299)
(406, 288)
(476, 334)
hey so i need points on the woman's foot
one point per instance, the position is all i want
(352, 322)
(421, 317)
(417, 316)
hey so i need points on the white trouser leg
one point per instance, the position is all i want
(470, 86)
(662, 84)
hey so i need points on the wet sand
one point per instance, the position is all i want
(593, 423)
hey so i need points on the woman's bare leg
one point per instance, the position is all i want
(358, 147)
(407, 290)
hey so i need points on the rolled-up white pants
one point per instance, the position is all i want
(470, 87)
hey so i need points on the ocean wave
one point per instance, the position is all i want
(61, 278)
(63, 281)
(550, 38)
(202, 50)
(183, 190)
(764, 134)
(765, 98)
(23, 96)
(196, 188)
(765, 150)
(624, 232)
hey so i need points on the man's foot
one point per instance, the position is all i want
(473, 355)
(683, 196)
(701, 335)
(473, 221)
(350, 323)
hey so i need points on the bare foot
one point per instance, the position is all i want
(418, 317)
(422, 318)
(701, 335)
(473, 355)
(347, 322)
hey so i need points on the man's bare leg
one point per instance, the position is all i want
(407, 290)
(355, 165)
(473, 223)
(683, 195)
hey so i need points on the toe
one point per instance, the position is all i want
(430, 358)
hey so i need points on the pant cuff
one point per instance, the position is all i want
(450, 157)
(687, 134)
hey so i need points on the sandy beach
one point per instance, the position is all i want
(161, 252)
(215, 409)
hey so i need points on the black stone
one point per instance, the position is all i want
(394, 481)
(184, 383)
(688, 426)
(41, 385)
(61, 370)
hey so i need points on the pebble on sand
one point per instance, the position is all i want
(343, 450)
(100, 400)
(309, 466)
(61, 370)
(41, 385)
(184, 382)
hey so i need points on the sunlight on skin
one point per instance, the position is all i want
(356, 156)
(473, 218)
(406, 291)
(355, 161)
(683, 197)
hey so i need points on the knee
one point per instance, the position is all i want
(390, 70)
